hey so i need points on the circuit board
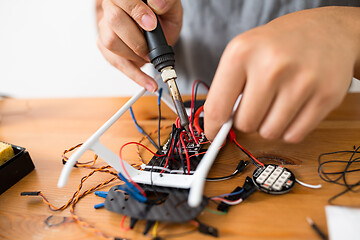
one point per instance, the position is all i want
(177, 163)
(274, 179)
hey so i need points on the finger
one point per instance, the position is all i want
(256, 100)
(226, 87)
(125, 28)
(128, 68)
(140, 12)
(308, 118)
(113, 43)
(288, 102)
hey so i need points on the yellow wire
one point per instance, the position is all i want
(154, 228)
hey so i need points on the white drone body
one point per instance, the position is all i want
(193, 182)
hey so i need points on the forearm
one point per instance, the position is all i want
(349, 17)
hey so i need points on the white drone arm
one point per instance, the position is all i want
(94, 144)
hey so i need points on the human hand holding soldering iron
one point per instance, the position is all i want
(122, 42)
(292, 71)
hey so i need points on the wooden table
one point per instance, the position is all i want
(46, 127)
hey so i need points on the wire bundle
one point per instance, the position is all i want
(75, 198)
(350, 166)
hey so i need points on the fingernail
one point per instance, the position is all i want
(291, 137)
(148, 22)
(157, 5)
(150, 87)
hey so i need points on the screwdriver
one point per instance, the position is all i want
(163, 58)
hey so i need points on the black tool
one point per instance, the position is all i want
(162, 57)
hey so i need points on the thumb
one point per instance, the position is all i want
(161, 7)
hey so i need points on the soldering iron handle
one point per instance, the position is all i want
(160, 53)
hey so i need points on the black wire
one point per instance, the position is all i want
(172, 135)
(194, 103)
(252, 160)
(174, 141)
(182, 158)
(325, 175)
(240, 167)
(195, 94)
(151, 141)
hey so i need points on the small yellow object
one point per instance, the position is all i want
(6, 152)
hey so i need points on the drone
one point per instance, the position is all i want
(193, 182)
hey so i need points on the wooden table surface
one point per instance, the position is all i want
(46, 127)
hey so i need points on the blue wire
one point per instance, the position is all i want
(134, 119)
(102, 194)
(99, 205)
(160, 94)
(137, 196)
(231, 194)
(132, 190)
(129, 184)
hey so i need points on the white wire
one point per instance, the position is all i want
(230, 202)
(308, 185)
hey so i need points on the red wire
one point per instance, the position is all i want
(252, 156)
(196, 119)
(177, 122)
(193, 134)
(123, 166)
(196, 154)
(122, 224)
(186, 152)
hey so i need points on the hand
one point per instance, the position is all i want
(121, 40)
(292, 72)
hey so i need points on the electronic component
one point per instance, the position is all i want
(274, 179)
(15, 168)
(239, 193)
(178, 164)
(208, 230)
(6, 152)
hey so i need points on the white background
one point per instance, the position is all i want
(48, 49)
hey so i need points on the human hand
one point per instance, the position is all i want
(121, 40)
(292, 72)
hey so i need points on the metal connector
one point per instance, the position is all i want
(169, 76)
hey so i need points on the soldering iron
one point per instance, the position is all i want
(162, 57)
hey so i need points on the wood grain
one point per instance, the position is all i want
(46, 127)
